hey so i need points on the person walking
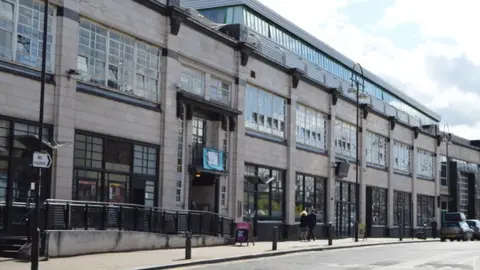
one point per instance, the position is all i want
(303, 226)
(311, 223)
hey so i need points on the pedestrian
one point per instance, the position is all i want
(303, 225)
(434, 225)
(311, 223)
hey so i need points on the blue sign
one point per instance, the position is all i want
(213, 159)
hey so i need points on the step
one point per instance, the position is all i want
(9, 253)
(10, 246)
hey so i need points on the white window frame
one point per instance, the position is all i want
(376, 150)
(345, 139)
(402, 154)
(425, 163)
(189, 77)
(52, 24)
(220, 87)
(311, 127)
(262, 114)
(147, 91)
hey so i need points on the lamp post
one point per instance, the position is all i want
(358, 87)
(36, 233)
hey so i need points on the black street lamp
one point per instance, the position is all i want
(358, 87)
(36, 233)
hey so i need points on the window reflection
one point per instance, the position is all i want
(402, 157)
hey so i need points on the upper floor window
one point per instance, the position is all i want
(443, 172)
(21, 32)
(265, 112)
(402, 156)
(193, 81)
(425, 163)
(219, 90)
(311, 127)
(117, 61)
(376, 149)
(345, 139)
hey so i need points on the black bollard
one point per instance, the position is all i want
(188, 246)
(275, 238)
(330, 233)
(400, 232)
(425, 231)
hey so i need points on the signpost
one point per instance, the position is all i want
(41, 160)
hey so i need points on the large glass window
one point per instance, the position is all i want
(402, 154)
(379, 206)
(4, 151)
(425, 164)
(180, 144)
(345, 139)
(193, 81)
(265, 112)
(311, 127)
(264, 192)
(219, 91)
(310, 194)
(117, 61)
(443, 172)
(114, 170)
(21, 32)
(376, 150)
(266, 28)
(425, 209)
(402, 208)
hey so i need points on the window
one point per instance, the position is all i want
(219, 91)
(264, 192)
(311, 127)
(310, 193)
(425, 164)
(112, 170)
(193, 81)
(265, 112)
(117, 61)
(463, 191)
(376, 149)
(379, 206)
(402, 157)
(443, 172)
(21, 32)
(425, 209)
(345, 139)
(402, 205)
(180, 177)
(223, 196)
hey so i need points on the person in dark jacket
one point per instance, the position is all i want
(311, 223)
(303, 225)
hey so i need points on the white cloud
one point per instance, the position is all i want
(436, 19)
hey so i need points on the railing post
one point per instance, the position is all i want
(201, 223)
(189, 221)
(212, 226)
(177, 220)
(221, 226)
(46, 212)
(162, 220)
(120, 218)
(104, 217)
(135, 218)
(150, 220)
(66, 216)
(85, 216)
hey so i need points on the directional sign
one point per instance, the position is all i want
(41, 160)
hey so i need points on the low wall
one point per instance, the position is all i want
(71, 243)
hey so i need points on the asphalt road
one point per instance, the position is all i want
(437, 255)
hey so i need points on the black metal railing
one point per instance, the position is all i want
(75, 215)
(197, 156)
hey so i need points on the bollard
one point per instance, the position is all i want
(400, 232)
(275, 238)
(330, 233)
(188, 246)
(424, 231)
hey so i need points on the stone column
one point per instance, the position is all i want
(66, 47)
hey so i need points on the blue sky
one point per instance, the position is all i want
(425, 48)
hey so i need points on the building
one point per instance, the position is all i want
(165, 108)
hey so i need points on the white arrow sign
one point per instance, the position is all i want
(41, 160)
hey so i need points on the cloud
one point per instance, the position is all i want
(438, 68)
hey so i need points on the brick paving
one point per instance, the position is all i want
(144, 259)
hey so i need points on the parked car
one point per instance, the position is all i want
(456, 231)
(475, 225)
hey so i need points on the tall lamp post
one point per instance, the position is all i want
(358, 87)
(36, 233)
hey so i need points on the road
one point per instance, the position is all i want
(435, 256)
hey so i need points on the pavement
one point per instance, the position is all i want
(427, 256)
(171, 258)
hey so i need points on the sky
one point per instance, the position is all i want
(428, 48)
